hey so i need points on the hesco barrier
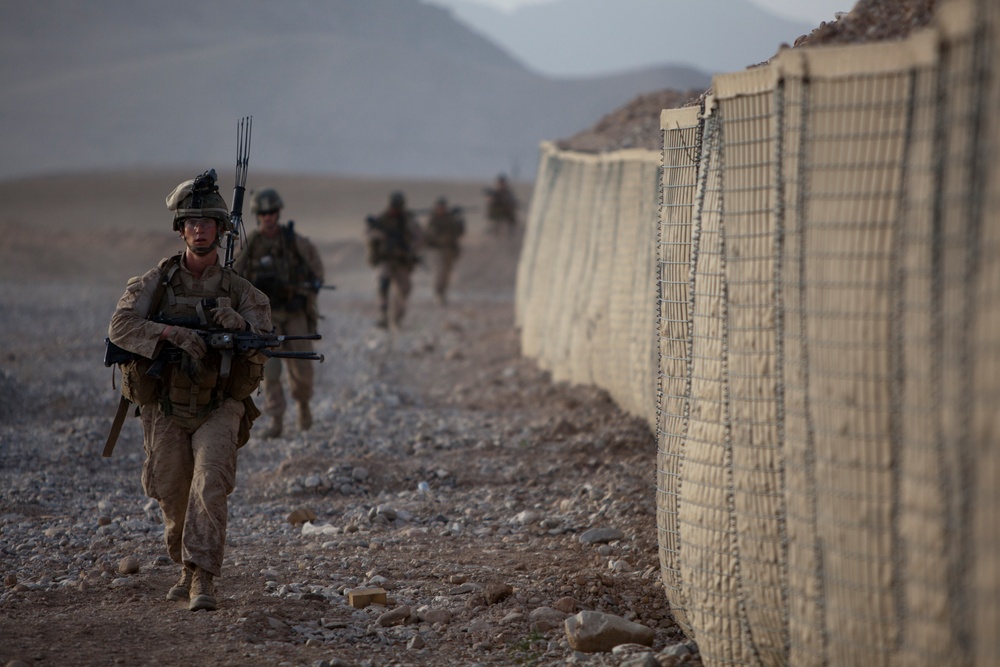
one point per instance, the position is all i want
(827, 327)
(587, 276)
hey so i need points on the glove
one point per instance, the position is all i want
(227, 318)
(189, 341)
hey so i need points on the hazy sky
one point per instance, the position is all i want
(809, 11)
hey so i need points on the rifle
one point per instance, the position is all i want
(243, 129)
(316, 285)
(226, 342)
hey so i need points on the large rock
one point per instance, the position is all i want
(544, 619)
(594, 632)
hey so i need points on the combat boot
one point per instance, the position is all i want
(179, 591)
(274, 430)
(202, 591)
(305, 417)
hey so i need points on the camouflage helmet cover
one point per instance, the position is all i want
(199, 198)
(265, 201)
(397, 199)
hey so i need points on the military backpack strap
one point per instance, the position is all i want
(168, 272)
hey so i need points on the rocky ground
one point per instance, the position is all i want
(490, 503)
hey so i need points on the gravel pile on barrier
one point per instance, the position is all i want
(637, 124)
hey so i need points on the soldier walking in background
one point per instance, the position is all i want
(501, 207)
(287, 268)
(393, 241)
(445, 227)
(195, 417)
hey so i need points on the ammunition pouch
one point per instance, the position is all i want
(250, 414)
(245, 375)
(137, 386)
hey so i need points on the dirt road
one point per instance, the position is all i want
(442, 467)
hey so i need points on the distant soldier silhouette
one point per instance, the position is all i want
(501, 207)
(393, 240)
(445, 227)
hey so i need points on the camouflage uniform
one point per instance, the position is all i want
(394, 240)
(444, 229)
(192, 425)
(288, 269)
(501, 207)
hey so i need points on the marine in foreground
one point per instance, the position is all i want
(198, 412)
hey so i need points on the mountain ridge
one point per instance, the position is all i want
(380, 88)
(597, 36)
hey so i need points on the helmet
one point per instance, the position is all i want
(199, 198)
(265, 201)
(397, 200)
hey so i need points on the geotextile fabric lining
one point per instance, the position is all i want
(825, 344)
(585, 290)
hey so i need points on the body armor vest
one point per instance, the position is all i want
(276, 268)
(200, 392)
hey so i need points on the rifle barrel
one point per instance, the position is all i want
(312, 356)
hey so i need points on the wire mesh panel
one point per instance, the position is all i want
(925, 521)
(968, 333)
(806, 624)
(586, 278)
(591, 337)
(923, 525)
(681, 154)
(576, 224)
(752, 252)
(537, 264)
(708, 562)
(636, 268)
(855, 120)
(827, 344)
(984, 607)
(538, 213)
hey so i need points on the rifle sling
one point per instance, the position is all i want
(116, 427)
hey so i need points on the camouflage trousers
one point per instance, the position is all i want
(300, 371)
(444, 265)
(190, 470)
(393, 290)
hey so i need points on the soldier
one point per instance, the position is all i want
(501, 207)
(444, 228)
(193, 419)
(393, 241)
(287, 268)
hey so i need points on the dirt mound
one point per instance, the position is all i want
(872, 21)
(637, 124)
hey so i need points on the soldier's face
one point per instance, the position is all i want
(200, 234)
(269, 223)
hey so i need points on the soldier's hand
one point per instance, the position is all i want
(227, 318)
(189, 341)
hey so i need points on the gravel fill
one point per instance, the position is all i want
(637, 123)
(442, 468)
